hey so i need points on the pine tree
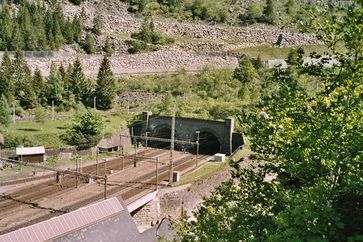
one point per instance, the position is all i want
(97, 25)
(89, 45)
(258, 64)
(77, 29)
(39, 86)
(6, 84)
(105, 92)
(22, 81)
(78, 81)
(57, 34)
(269, 14)
(295, 57)
(55, 89)
(253, 13)
(17, 39)
(4, 111)
(245, 72)
(6, 27)
(107, 48)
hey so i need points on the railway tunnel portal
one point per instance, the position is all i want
(214, 136)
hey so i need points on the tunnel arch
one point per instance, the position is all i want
(209, 143)
(160, 131)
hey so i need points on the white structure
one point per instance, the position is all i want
(219, 157)
(31, 154)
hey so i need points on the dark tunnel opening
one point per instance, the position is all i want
(160, 132)
(208, 143)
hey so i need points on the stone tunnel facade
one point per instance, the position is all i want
(225, 140)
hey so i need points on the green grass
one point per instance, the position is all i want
(214, 167)
(202, 172)
(267, 52)
(48, 134)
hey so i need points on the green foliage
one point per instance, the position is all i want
(6, 84)
(77, 80)
(269, 15)
(55, 87)
(147, 39)
(4, 111)
(89, 44)
(216, 11)
(245, 72)
(107, 48)
(86, 131)
(39, 86)
(253, 13)
(35, 26)
(295, 57)
(21, 77)
(40, 114)
(97, 25)
(309, 187)
(105, 88)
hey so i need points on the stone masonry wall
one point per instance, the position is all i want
(169, 200)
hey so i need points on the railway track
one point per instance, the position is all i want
(30, 196)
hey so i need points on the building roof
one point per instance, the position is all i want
(115, 141)
(59, 226)
(30, 150)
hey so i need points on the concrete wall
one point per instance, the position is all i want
(185, 128)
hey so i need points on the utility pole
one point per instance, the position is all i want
(146, 134)
(97, 160)
(94, 103)
(105, 194)
(135, 145)
(172, 145)
(77, 172)
(157, 173)
(196, 157)
(105, 165)
(14, 112)
(128, 103)
(52, 109)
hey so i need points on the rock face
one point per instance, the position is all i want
(135, 97)
(116, 19)
(197, 45)
(155, 62)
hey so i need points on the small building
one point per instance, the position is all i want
(31, 154)
(115, 142)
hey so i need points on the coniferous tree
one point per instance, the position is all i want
(4, 111)
(77, 29)
(295, 57)
(39, 86)
(97, 25)
(105, 88)
(107, 48)
(245, 72)
(55, 87)
(253, 13)
(89, 45)
(17, 39)
(78, 81)
(258, 63)
(269, 14)
(6, 82)
(6, 27)
(22, 81)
